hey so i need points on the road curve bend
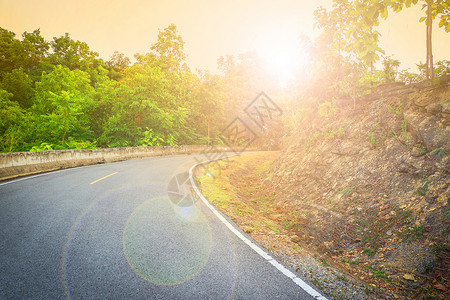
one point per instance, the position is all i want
(128, 230)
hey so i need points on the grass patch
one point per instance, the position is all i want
(439, 152)
(272, 227)
(237, 187)
(347, 191)
(355, 262)
(423, 189)
(417, 232)
(325, 263)
(369, 251)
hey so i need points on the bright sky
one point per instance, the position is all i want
(209, 28)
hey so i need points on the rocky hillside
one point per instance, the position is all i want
(371, 179)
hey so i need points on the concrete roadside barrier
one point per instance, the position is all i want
(17, 164)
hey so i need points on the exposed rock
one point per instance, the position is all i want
(409, 277)
(382, 189)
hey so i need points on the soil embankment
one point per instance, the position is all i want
(364, 187)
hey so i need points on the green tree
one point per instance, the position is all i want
(348, 30)
(169, 48)
(118, 63)
(208, 109)
(143, 103)
(346, 48)
(63, 119)
(11, 118)
(72, 54)
(12, 54)
(20, 85)
(390, 68)
(10, 112)
(167, 53)
(63, 107)
(433, 9)
(35, 48)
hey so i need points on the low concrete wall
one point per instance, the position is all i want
(26, 163)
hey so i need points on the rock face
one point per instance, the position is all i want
(378, 165)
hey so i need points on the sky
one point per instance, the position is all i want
(210, 29)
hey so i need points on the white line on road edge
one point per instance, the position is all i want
(306, 287)
(37, 175)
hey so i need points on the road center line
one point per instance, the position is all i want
(103, 177)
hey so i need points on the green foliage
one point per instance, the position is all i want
(369, 251)
(371, 138)
(417, 232)
(42, 147)
(439, 152)
(327, 109)
(72, 54)
(423, 189)
(11, 114)
(368, 80)
(118, 64)
(355, 262)
(441, 68)
(18, 83)
(35, 48)
(390, 70)
(347, 191)
(272, 227)
(142, 116)
(71, 143)
(404, 127)
(408, 78)
(60, 94)
(382, 275)
(62, 107)
(152, 139)
(325, 133)
(398, 111)
(11, 52)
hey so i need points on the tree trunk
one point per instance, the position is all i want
(208, 131)
(430, 68)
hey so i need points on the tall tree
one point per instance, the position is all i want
(19, 84)
(63, 106)
(72, 54)
(11, 118)
(35, 48)
(433, 9)
(169, 48)
(12, 53)
(117, 64)
(390, 66)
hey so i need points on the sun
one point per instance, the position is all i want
(283, 56)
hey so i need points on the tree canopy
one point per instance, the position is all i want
(60, 94)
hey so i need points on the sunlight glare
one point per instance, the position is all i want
(283, 56)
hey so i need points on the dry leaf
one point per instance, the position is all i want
(409, 277)
(439, 287)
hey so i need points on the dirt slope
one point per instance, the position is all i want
(371, 179)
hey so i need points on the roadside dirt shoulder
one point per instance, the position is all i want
(239, 188)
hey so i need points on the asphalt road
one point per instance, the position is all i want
(112, 232)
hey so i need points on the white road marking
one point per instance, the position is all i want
(37, 175)
(306, 287)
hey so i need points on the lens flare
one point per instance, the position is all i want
(166, 249)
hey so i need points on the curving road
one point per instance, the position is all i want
(112, 232)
